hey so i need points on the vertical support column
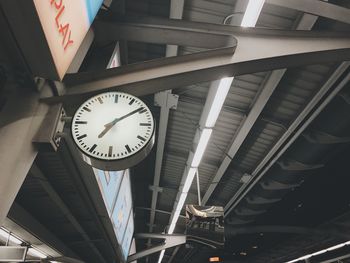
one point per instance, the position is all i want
(198, 188)
(166, 101)
(20, 119)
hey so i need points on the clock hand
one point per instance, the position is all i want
(109, 125)
(125, 116)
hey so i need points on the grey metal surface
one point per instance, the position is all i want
(169, 241)
(277, 49)
(37, 173)
(297, 246)
(12, 253)
(270, 83)
(297, 87)
(43, 237)
(78, 224)
(278, 113)
(313, 102)
(319, 8)
(176, 12)
(20, 120)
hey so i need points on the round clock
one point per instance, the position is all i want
(113, 130)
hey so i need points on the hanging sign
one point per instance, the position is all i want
(65, 24)
(49, 32)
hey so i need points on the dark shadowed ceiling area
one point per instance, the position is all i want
(278, 159)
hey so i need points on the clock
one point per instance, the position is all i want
(113, 130)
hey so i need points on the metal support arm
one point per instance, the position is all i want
(257, 50)
(316, 7)
(169, 241)
(62, 259)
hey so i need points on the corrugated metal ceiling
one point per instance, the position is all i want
(295, 90)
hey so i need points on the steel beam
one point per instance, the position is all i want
(166, 101)
(88, 189)
(238, 12)
(306, 22)
(12, 253)
(157, 211)
(293, 132)
(293, 165)
(169, 241)
(231, 231)
(316, 7)
(335, 259)
(162, 31)
(65, 210)
(274, 49)
(20, 120)
(176, 12)
(206, 109)
(174, 254)
(63, 260)
(82, 52)
(269, 85)
(324, 138)
(32, 230)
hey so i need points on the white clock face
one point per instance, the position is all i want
(112, 126)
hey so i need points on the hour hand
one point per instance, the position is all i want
(108, 126)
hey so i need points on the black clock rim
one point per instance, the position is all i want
(119, 159)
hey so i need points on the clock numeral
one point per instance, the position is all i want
(141, 138)
(100, 100)
(81, 122)
(128, 148)
(142, 110)
(145, 124)
(93, 147)
(81, 136)
(132, 101)
(110, 150)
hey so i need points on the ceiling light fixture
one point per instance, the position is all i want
(320, 252)
(36, 253)
(190, 175)
(249, 20)
(252, 13)
(202, 145)
(161, 256)
(7, 235)
(219, 99)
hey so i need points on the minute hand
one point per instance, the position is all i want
(125, 116)
(109, 125)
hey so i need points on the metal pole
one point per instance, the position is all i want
(8, 239)
(198, 189)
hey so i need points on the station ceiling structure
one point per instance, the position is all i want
(278, 154)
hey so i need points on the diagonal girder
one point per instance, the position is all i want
(333, 85)
(316, 7)
(169, 241)
(56, 198)
(306, 22)
(257, 50)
